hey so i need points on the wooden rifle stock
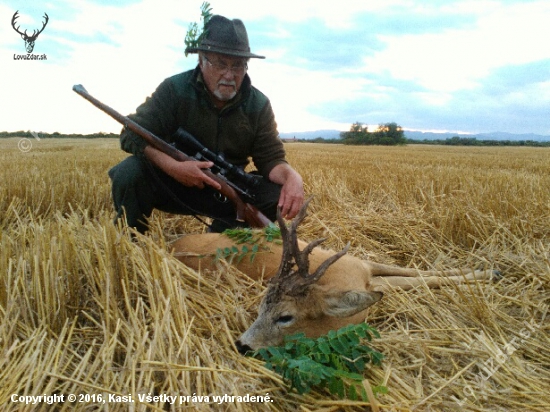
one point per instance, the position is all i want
(245, 211)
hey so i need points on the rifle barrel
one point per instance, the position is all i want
(133, 126)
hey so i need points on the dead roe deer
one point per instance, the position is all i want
(310, 289)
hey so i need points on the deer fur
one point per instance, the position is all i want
(309, 302)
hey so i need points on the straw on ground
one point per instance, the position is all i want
(85, 310)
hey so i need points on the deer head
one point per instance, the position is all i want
(29, 40)
(296, 302)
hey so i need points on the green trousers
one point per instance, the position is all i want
(138, 188)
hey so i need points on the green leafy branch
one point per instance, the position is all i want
(334, 361)
(270, 233)
(195, 34)
(253, 240)
(234, 255)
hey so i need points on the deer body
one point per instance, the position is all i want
(297, 301)
(198, 251)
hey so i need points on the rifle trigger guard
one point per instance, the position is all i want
(220, 198)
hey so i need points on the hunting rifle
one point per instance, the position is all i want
(236, 176)
(245, 211)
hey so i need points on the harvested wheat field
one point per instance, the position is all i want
(86, 311)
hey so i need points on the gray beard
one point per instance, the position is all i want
(225, 97)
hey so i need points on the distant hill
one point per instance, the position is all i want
(335, 134)
(325, 134)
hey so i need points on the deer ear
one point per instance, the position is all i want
(345, 304)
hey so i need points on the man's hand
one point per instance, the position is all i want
(292, 191)
(189, 173)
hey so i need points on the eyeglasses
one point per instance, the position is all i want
(223, 68)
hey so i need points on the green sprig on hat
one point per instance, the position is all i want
(195, 34)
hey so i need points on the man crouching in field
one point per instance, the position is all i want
(216, 103)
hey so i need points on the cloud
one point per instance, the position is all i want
(334, 15)
(454, 65)
(529, 78)
(326, 50)
(294, 91)
(457, 59)
(448, 79)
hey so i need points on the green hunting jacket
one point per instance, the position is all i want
(245, 128)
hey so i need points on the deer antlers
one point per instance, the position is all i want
(25, 35)
(293, 275)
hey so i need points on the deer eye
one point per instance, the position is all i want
(284, 319)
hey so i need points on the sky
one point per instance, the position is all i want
(464, 66)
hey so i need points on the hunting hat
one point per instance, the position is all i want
(226, 37)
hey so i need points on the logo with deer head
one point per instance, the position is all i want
(29, 39)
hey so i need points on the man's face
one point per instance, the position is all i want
(222, 74)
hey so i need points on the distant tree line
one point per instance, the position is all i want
(389, 134)
(472, 141)
(41, 135)
(386, 134)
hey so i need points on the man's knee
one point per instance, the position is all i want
(132, 192)
(130, 184)
(129, 172)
